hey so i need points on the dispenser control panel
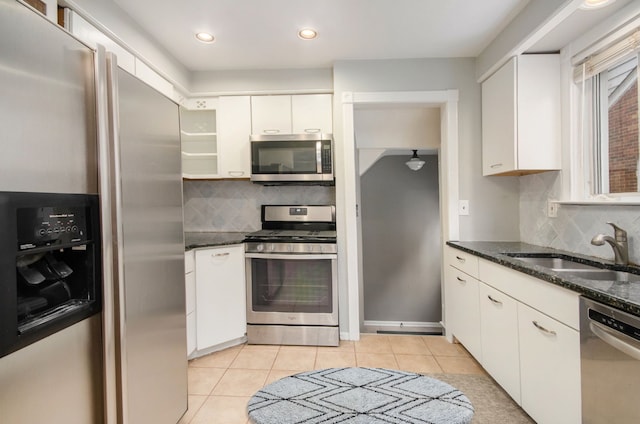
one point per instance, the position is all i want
(51, 225)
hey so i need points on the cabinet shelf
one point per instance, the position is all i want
(199, 138)
(198, 134)
(189, 154)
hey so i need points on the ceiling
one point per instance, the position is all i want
(262, 34)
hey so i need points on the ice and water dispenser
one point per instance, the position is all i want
(49, 264)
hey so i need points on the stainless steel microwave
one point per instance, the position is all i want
(292, 158)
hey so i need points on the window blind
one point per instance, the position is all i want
(607, 57)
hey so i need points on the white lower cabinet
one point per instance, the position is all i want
(549, 368)
(523, 330)
(220, 296)
(463, 309)
(499, 330)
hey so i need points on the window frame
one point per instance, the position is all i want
(582, 184)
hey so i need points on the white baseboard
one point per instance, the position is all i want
(403, 326)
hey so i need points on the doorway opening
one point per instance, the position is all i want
(400, 214)
(351, 291)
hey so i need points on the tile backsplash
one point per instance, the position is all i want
(575, 225)
(235, 205)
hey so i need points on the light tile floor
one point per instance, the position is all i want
(220, 384)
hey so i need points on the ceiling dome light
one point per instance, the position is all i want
(307, 33)
(205, 37)
(595, 4)
(415, 163)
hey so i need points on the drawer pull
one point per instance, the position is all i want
(271, 131)
(218, 255)
(496, 165)
(461, 259)
(497, 302)
(461, 280)
(544, 330)
(312, 130)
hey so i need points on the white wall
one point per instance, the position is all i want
(519, 34)
(109, 18)
(263, 81)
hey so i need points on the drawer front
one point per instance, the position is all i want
(463, 261)
(552, 300)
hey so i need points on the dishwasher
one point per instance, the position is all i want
(610, 364)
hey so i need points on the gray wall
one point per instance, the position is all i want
(493, 202)
(235, 205)
(401, 241)
(575, 225)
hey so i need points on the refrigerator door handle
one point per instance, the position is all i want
(115, 367)
(104, 183)
(115, 193)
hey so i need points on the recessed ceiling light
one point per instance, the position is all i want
(205, 37)
(307, 34)
(595, 4)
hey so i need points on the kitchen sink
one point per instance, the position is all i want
(563, 265)
(555, 263)
(602, 274)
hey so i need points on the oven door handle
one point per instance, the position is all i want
(291, 256)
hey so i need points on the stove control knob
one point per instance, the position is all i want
(310, 248)
(260, 247)
(289, 248)
(271, 247)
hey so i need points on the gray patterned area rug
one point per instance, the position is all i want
(359, 396)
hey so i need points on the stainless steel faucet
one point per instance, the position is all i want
(619, 244)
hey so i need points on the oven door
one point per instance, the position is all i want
(292, 289)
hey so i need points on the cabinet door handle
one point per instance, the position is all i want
(312, 130)
(236, 173)
(496, 165)
(218, 255)
(497, 302)
(544, 330)
(274, 131)
(461, 259)
(461, 280)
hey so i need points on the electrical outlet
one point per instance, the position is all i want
(552, 209)
(463, 207)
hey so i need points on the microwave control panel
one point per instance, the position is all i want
(49, 226)
(326, 159)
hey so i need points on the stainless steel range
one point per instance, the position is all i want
(291, 273)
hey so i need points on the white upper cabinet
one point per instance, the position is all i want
(271, 114)
(296, 114)
(234, 129)
(199, 139)
(521, 117)
(312, 113)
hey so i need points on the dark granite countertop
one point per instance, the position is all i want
(194, 240)
(620, 295)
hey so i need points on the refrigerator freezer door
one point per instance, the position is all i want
(149, 257)
(47, 110)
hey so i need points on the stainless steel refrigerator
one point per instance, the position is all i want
(73, 122)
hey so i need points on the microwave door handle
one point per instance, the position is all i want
(319, 157)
